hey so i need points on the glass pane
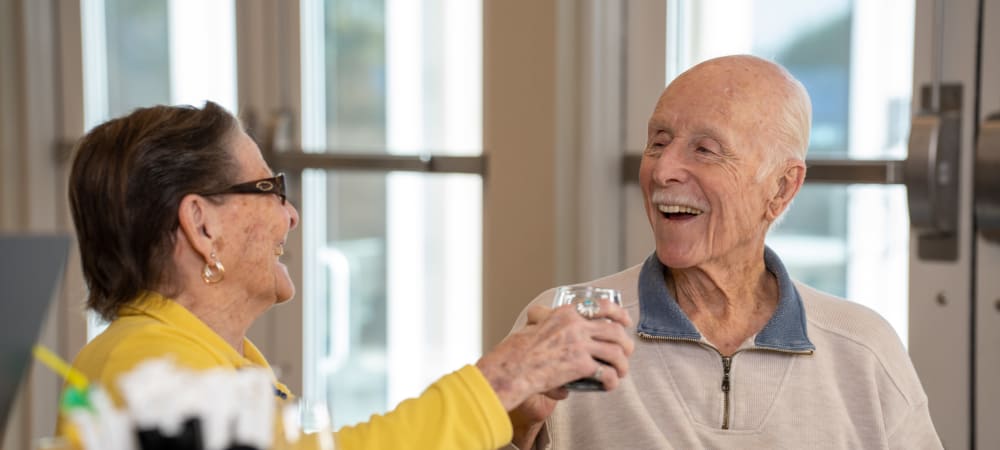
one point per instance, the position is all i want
(145, 52)
(855, 59)
(398, 76)
(139, 53)
(851, 241)
(392, 285)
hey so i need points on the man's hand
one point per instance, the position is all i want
(528, 417)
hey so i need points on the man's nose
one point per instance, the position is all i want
(670, 166)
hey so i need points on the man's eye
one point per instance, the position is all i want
(662, 141)
(703, 150)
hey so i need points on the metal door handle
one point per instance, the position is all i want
(931, 175)
(920, 162)
(987, 180)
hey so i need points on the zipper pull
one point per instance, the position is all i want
(726, 364)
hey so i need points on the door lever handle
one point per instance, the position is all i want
(918, 170)
(931, 176)
(987, 178)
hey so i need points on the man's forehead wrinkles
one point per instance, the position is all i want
(689, 126)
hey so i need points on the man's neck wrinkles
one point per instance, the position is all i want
(719, 289)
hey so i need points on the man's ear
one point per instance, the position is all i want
(787, 186)
(198, 224)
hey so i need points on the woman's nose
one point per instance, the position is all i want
(293, 215)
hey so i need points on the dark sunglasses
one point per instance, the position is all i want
(274, 185)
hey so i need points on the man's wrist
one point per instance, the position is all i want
(525, 436)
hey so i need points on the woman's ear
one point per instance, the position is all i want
(788, 185)
(199, 224)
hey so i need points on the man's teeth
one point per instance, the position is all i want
(675, 209)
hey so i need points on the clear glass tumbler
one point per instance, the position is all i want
(586, 299)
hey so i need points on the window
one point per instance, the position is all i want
(392, 260)
(142, 53)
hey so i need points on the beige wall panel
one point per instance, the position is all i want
(519, 137)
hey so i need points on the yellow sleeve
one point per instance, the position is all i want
(459, 411)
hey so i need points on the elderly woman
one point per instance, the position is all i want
(181, 227)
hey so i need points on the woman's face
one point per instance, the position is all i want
(255, 229)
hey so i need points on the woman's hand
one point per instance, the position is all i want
(527, 370)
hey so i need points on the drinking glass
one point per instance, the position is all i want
(586, 299)
(315, 420)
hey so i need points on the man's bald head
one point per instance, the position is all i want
(758, 94)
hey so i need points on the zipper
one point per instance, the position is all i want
(727, 363)
(652, 337)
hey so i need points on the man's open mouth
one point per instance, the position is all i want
(678, 212)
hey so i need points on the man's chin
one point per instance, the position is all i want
(671, 256)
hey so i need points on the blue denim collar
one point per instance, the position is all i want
(661, 316)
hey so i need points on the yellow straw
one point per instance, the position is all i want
(54, 362)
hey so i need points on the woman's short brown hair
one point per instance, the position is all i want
(128, 178)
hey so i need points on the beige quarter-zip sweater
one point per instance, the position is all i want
(824, 373)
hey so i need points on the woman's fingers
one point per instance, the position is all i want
(579, 342)
(608, 377)
(608, 310)
(614, 333)
(538, 313)
(614, 359)
(613, 312)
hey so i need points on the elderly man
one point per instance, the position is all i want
(730, 352)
